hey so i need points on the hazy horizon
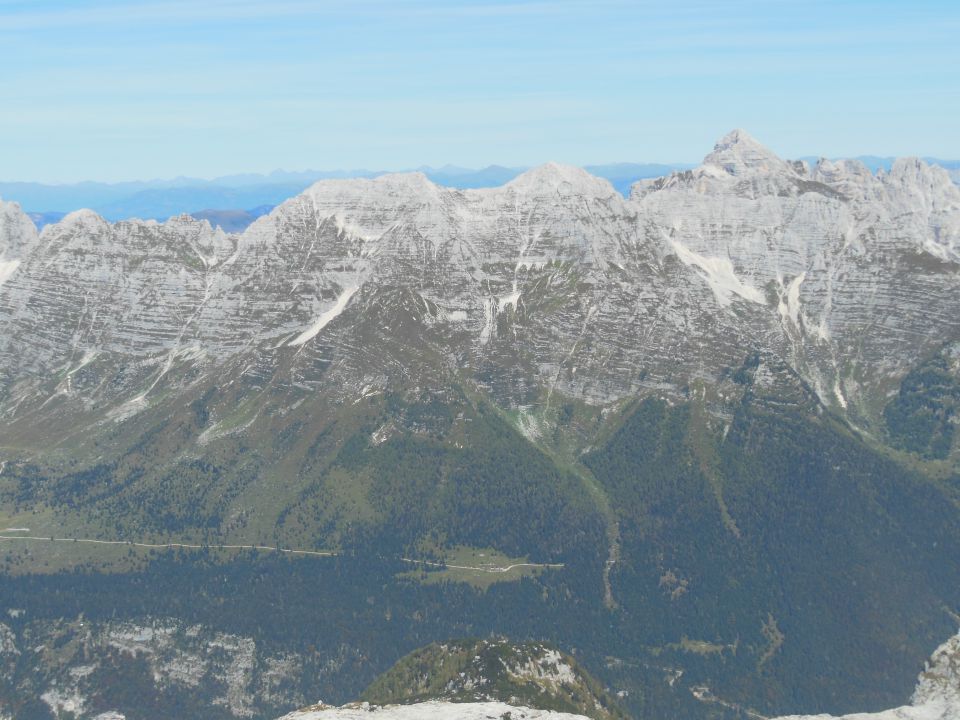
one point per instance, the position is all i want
(349, 172)
(110, 91)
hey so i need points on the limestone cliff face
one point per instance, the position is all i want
(856, 267)
(550, 284)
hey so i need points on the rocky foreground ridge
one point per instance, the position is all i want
(937, 696)
(467, 679)
(479, 679)
(438, 710)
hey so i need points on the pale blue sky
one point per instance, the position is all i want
(110, 90)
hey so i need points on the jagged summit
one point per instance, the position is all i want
(923, 179)
(739, 153)
(828, 170)
(735, 157)
(17, 231)
(77, 222)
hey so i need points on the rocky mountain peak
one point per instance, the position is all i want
(78, 220)
(17, 232)
(556, 178)
(827, 170)
(918, 179)
(739, 153)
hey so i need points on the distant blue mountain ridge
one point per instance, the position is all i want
(234, 201)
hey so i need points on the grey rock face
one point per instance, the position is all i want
(552, 284)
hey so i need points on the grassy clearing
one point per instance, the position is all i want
(488, 563)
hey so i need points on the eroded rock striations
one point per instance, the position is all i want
(554, 278)
(362, 369)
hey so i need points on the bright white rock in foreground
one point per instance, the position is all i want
(937, 695)
(431, 711)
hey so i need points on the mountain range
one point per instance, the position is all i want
(237, 200)
(161, 199)
(704, 434)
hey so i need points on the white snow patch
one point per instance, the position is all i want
(326, 318)
(528, 425)
(351, 229)
(489, 319)
(7, 268)
(789, 306)
(719, 275)
(88, 357)
(838, 392)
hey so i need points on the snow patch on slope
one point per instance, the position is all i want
(718, 273)
(489, 321)
(325, 318)
(351, 229)
(7, 268)
(527, 424)
(789, 307)
(838, 393)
